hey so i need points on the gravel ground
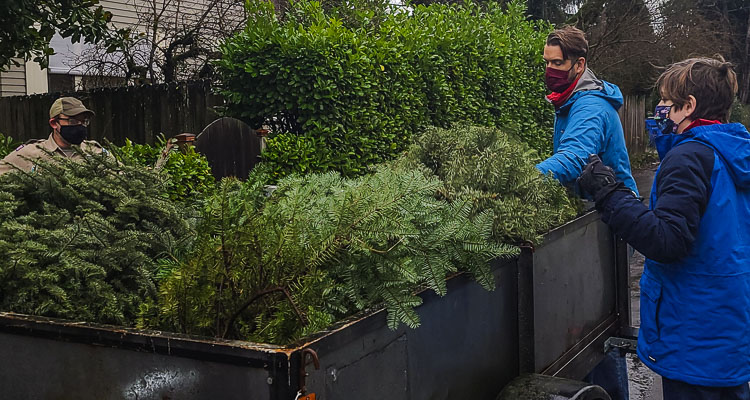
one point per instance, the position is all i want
(643, 383)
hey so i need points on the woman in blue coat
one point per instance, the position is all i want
(695, 289)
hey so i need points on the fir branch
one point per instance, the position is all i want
(258, 296)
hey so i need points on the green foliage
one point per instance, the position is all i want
(740, 113)
(101, 240)
(28, 27)
(144, 155)
(189, 173)
(79, 240)
(7, 145)
(319, 248)
(345, 89)
(497, 172)
(646, 159)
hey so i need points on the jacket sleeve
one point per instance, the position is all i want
(666, 233)
(17, 159)
(583, 135)
(5, 167)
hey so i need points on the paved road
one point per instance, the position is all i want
(643, 384)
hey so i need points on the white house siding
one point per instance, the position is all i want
(123, 12)
(13, 81)
(175, 12)
(226, 15)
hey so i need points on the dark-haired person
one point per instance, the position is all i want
(586, 119)
(586, 122)
(69, 120)
(695, 288)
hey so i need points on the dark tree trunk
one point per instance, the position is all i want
(744, 90)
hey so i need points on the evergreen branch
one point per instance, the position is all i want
(93, 233)
(70, 240)
(253, 299)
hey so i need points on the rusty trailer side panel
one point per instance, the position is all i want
(54, 359)
(466, 347)
(552, 311)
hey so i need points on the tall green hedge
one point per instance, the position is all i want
(344, 96)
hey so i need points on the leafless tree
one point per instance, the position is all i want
(172, 40)
(630, 40)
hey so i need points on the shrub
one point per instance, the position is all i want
(7, 145)
(496, 171)
(321, 247)
(80, 240)
(740, 113)
(101, 241)
(344, 94)
(188, 171)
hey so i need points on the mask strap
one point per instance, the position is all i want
(681, 121)
(574, 64)
(678, 123)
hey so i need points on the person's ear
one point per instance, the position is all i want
(53, 123)
(580, 65)
(690, 107)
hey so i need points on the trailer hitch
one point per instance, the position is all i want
(302, 394)
(628, 345)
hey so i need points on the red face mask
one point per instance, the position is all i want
(557, 80)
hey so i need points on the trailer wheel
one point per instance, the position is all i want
(543, 387)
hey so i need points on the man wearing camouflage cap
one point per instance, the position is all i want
(69, 120)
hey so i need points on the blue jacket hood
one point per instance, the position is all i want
(730, 141)
(590, 85)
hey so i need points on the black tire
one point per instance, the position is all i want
(542, 387)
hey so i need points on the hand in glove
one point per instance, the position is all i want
(599, 181)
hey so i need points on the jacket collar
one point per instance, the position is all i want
(51, 146)
(666, 142)
(586, 83)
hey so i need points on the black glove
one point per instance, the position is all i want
(599, 181)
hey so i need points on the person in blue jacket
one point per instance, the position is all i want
(586, 119)
(586, 122)
(695, 234)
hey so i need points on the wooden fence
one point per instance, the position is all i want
(139, 113)
(633, 116)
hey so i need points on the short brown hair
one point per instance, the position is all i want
(572, 42)
(711, 81)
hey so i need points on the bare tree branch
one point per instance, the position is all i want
(172, 40)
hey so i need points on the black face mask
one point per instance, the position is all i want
(74, 134)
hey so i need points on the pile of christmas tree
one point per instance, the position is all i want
(101, 240)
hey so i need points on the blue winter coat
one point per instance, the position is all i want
(586, 124)
(695, 290)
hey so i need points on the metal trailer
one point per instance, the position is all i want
(551, 313)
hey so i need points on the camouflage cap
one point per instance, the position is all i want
(69, 106)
